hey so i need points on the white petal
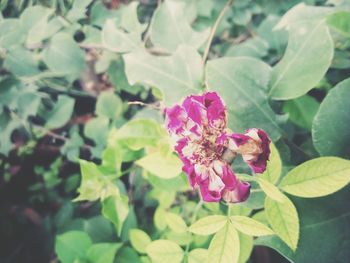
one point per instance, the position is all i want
(253, 133)
(218, 167)
(232, 145)
(249, 157)
(215, 182)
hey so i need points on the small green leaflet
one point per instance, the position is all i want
(318, 177)
(225, 246)
(283, 218)
(273, 167)
(250, 226)
(164, 166)
(72, 245)
(139, 240)
(270, 190)
(208, 225)
(175, 222)
(161, 251)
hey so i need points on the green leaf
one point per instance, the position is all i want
(331, 129)
(302, 13)
(242, 83)
(250, 226)
(161, 251)
(11, 33)
(163, 166)
(175, 223)
(71, 147)
(158, 218)
(115, 208)
(171, 14)
(129, 18)
(117, 77)
(307, 58)
(96, 129)
(276, 39)
(21, 62)
(117, 40)
(139, 240)
(94, 185)
(37, 26)
(208, 225)
(246, 247)
(78, 10)
(102, 252)
(340, 21)
(176, 76)
(254, 47)
(321, 219)
(109, 105)
(33, 16)
(197, 255)
(224, 247)
(182, 239)
(139, 133)
(63, 56)
(61, 112)
(273, 167)
(72, 245)
(178, 183)
(127, 255)
(165, 198)
(270, 190)
(99, 229)
(317, 177)
(302, 111)
(283, 218)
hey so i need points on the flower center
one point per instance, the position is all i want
(206, 148)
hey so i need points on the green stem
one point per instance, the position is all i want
(229, 206)
(214, 28)
(193, 219)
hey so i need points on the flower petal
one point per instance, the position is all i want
(195, 110)
(237, 195)
(258, 164)
(175, 119)
(207, 195)
(216, 110)
(254, 146)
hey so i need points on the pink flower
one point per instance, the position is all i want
(199, 128)
(254, 146)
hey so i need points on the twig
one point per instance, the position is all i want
(193, 219)
(214, 28)
(155, 106)
(60, 137)
(61, 89)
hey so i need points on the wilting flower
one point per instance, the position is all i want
(254, 146)
(199, 128)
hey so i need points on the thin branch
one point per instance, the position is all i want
(60, 137)
(62, 89)
(214, 28)
(193, 219)
(155, 106)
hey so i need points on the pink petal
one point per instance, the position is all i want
(260, 162)
(239, 194)
(208, 196)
